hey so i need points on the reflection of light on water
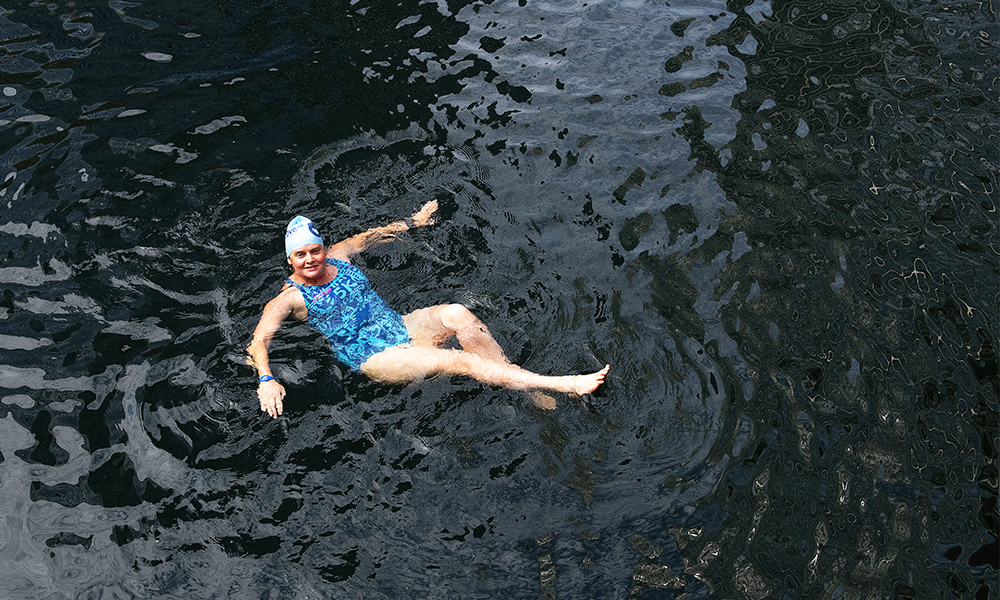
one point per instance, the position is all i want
(611, 129)
(61, 542)
(487, 447)
(45, 548)
(590, 226)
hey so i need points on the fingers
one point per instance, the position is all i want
(423, 216)
(273, 408)
(271, 401)
(429, 209)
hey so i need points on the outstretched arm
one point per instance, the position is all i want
(353, 245)
(269, 391)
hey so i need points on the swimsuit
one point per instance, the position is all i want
(353, 318)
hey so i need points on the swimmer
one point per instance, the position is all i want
(336, 299)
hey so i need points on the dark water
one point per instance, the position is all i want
(777, 221)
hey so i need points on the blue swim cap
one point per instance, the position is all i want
(300, 232)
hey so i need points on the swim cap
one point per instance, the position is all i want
(300, 232)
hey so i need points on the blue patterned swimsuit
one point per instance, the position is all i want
(352, 317)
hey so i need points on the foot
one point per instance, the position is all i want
(542, 400)
(585, 384)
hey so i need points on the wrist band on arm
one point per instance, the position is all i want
(264, 378)
(408, 221)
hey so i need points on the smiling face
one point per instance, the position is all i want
(308, 262)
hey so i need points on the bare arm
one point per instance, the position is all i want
(353, 245)
(270, 392)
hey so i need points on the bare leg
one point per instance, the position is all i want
(404, 364)
(436, 325)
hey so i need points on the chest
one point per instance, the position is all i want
(348, 288)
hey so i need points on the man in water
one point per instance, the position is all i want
(337, 300)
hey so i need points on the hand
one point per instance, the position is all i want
(425, 215)
(271, 393)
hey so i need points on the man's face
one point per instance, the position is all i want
(309, 261)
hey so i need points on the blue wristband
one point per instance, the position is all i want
(264, 378)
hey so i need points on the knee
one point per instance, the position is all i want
(456, 317)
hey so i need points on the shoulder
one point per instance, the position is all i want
(341, 252)
(289, 300)
(341, 263)
(289, 293)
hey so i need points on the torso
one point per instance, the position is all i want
(348, 312)
(299, 310)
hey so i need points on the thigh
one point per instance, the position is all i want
(426, 327)
(409, 363)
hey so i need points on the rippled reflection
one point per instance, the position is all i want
(776, 220)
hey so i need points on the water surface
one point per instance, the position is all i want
(776, 220)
